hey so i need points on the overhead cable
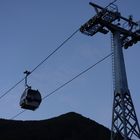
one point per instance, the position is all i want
(43, 61)
(22, 111)
(14, 86)
(66, 83)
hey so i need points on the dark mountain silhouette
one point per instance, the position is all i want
(70, 126)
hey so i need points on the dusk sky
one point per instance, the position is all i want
(31, 29)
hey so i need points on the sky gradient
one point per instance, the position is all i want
(31, 29)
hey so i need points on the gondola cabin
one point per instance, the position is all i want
(30, 99)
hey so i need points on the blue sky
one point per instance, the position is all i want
(31, 29)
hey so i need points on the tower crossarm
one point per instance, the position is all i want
(109, 19)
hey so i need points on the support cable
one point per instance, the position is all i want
(43, 61)
(65, 41)
(21, 112)
(66, 83)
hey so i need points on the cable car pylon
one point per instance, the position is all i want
(125, 33)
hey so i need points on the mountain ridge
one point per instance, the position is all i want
(69, 126)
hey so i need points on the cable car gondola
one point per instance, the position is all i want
(30, 98)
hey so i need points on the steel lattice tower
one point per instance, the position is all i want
(125, 33)
(124, 120)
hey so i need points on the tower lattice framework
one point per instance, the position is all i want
(125, 33)
(124, 119)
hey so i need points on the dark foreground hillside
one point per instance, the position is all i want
(70, 126)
